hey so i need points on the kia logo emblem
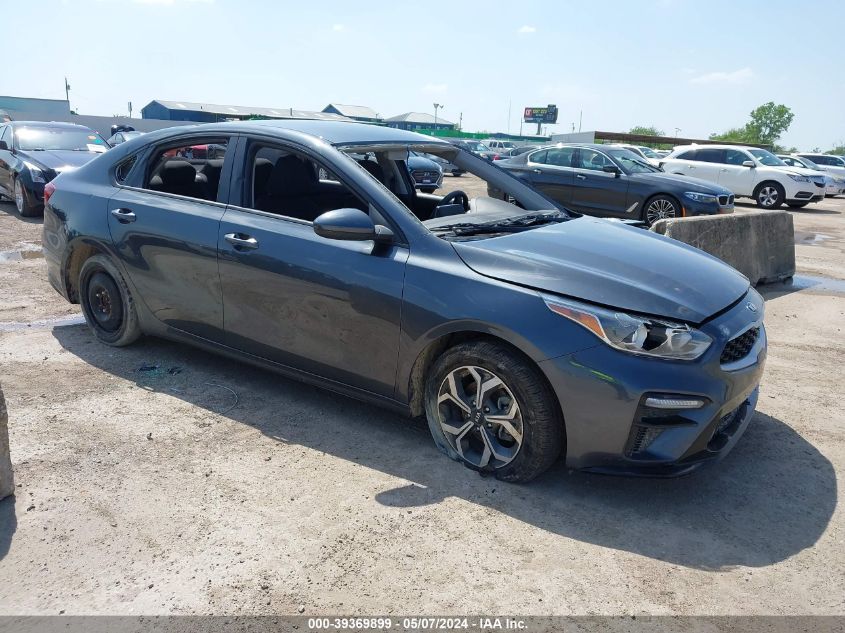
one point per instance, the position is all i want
(751, 306)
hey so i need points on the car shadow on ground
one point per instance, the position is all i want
(8, 524)
(9, 209)
(770, 499)
(809, 209)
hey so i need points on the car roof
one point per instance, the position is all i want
(333, 132)
(49, 124)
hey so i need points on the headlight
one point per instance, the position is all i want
(634, 334)
(35, 173)
(798, 178)
(699, 197)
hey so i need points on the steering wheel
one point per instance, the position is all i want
(455, 197)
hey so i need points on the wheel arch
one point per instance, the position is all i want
(80, 252)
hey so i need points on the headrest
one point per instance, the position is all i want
(213, 167)
(178, 173)
(292, 176)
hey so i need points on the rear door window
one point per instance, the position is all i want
(560, 157)
(192, 169)
(688, 155)
(710, 156)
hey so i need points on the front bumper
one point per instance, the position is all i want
(602, 391)
(693, 208)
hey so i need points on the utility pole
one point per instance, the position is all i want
(509, 115)
(461, 121)
(436, 107)
(580, 119)
(677, 129)
(67, 92)
(130, 109)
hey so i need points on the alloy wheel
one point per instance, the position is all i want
(768, 196)
(659, 209)
(480, 417)
(19, 200)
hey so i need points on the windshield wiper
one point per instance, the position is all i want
(510, 225)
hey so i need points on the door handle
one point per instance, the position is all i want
(241, 241)
(124, 216)
(580, 176)
(537, 171)
(724, 169)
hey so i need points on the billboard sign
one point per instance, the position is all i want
(547, 114)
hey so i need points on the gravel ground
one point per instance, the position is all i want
(206, 486)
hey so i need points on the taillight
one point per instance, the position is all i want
(49, 188)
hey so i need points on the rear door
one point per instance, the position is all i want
(595, 191)
(707, 164)
(550, 171)
(165, 228)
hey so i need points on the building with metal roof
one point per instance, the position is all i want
(212, 112)
(23, 108)
(418, 121)
(354, 112)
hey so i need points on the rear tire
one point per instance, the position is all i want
(769, 195)
(107, 303)
(514, 432)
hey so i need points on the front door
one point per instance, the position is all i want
(327, 307)
(595, 191)
(550, 172)
(165, 230)
(734, 175)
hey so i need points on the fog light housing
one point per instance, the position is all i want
(674, 402)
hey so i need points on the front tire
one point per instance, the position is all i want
(107, 303)
(491, 409)
(769, 196)
(22, 202)
(661, 207)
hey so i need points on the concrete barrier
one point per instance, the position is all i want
(759, 244)
(7, 482)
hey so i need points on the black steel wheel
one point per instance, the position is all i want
(107, 303)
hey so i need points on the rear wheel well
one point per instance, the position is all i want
(78, 256)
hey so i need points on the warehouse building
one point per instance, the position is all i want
(362, 114)
(212, 113)
(27, 108)
(418, 121)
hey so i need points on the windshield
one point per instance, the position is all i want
(476, 147)
(49, 138)
(649, 153)
(767, 158)
(807, 163)
(631, 163)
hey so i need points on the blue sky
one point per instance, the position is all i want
(697, 65)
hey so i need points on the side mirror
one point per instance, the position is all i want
(611, 169)
(351, 225)
(749, 163)
(4, 145)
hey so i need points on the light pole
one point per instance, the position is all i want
(436, 106)
(677, 129)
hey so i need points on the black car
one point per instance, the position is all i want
(426, 172)
(614, 182)
(33, 153)
(520, 332)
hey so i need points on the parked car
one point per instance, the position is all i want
(121, 137)
(826, 162)
(520, 332)
(646, 153)
(499, 146)
(446, 166)
(749, 172)
(610, 181)
(34, 153)
(427, 174)
(834, 183)
(477, 148)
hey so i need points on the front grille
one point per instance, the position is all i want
(738, 348)
(419, 176)
(725, 201)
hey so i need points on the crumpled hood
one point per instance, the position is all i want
(608, 263)
(57, 159)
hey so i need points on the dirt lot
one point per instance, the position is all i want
(206, 486)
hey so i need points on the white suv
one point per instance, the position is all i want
(749, 172)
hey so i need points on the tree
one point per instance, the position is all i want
(839, 150)
(644, 130)
(768, 122)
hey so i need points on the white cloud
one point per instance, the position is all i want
(435, 88)
(734, 77)
(526, 29)
(338, 27)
